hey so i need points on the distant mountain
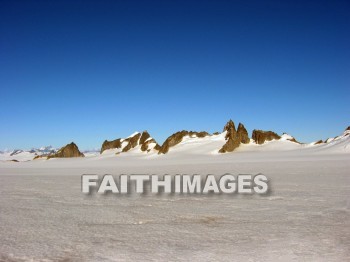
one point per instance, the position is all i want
(70, 150)
(188, 142)
(26, 155)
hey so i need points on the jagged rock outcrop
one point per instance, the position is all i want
(294, 140)
(177, 137)
(234, 138)
(198, 134)
(260, 136)
(70, 150)
(144, 136)
(132, 142)
(242, 134)
(16, 152)
(319, 142)
(37, 156)
(330, 139)
(147, 142)
(111, 144)
(229, 126)
(142, 139)
(145, 146)
(231, 141)
(287, 137)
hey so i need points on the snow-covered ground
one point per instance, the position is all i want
(305, 217)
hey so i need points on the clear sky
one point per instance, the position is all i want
(86, 71)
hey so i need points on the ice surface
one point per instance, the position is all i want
(305, 217)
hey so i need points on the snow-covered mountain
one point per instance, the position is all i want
(135, 143)
(190, 142)
(26, 155)
(195, 143)
(338, 144)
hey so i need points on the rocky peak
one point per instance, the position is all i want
(234, 138)
(260, 136)
(144, 136)
(318, 142)
(111, 144)
(242, 133)
(132, 142)
(230, 125)
(136, 139)
(177, 137)
(70, 150)
(147, 142)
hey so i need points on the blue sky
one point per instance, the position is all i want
(86, 71)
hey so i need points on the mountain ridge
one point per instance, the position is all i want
(229, 140)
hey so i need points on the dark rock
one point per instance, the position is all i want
(132, 142)
(234, 138)
(231, 141)
(198, 134)
(319, 142)
(70, 150)
(230, 145)
(144, 140)
(145, 145)
(111, 144)
(16, 152)
(157, 147)
(144, 136)
(242, 134)
(172, 140)
(292, 139)
(260, 136)
(42, 156)
(177, 137)
(229, 126)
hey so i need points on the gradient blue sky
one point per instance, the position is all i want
(86, 71)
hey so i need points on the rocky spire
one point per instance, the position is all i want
(229, 126)
(234, 138)
(242, 133)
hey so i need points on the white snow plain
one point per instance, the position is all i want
(304, 217)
